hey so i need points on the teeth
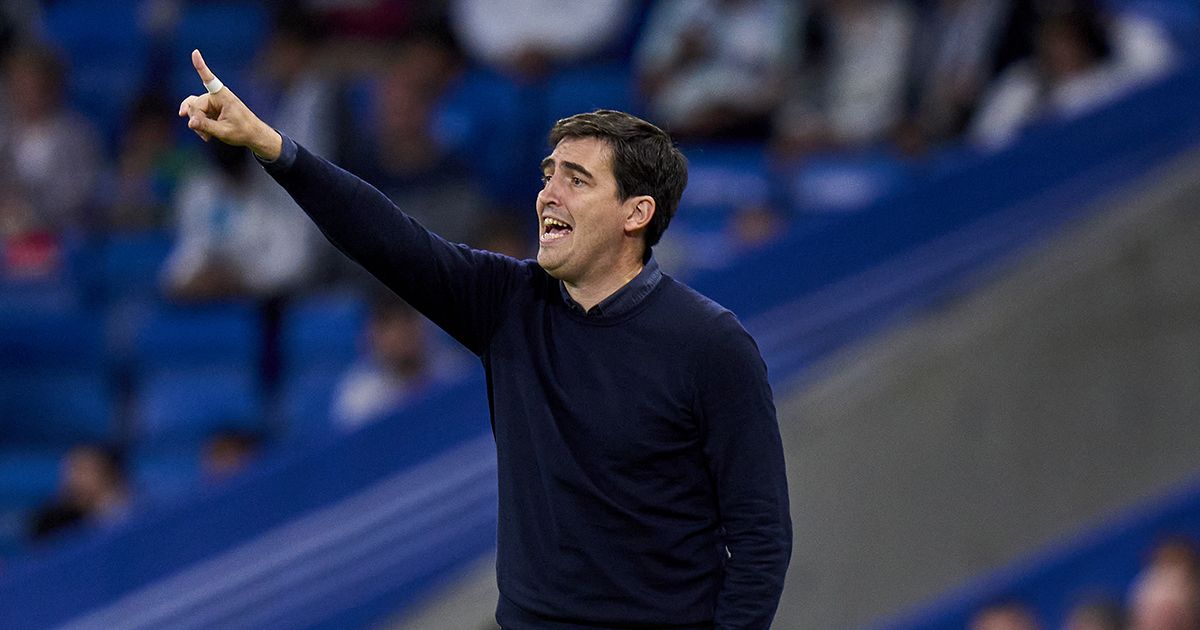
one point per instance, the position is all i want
(549, 222)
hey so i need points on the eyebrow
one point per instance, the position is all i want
(570, 166)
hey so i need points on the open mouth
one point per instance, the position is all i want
(553, 229)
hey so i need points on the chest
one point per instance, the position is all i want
(621, 392)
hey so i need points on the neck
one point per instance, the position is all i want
(590, 293)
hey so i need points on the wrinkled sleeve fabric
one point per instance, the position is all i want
(744, 454)
(460, 289)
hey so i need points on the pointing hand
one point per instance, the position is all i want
(222, 115)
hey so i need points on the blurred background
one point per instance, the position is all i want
(963, 232)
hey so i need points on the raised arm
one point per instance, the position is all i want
(460, 289)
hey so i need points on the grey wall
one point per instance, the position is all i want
(1062, 390)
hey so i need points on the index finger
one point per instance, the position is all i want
(206, 75)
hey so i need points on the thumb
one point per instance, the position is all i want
(206, 75)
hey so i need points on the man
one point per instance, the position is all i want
(641, 475)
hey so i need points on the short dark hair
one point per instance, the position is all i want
(644, 161)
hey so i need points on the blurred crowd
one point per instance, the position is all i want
(362, 83)
(1165, 595)
(372, 85)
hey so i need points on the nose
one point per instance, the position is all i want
(548, 195)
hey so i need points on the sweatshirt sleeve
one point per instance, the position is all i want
(460, 289)
(744, 454)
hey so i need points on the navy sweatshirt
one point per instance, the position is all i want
(641, 474)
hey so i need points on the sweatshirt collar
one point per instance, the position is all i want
(625, 298)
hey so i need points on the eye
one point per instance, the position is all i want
(545, 179)
(575, 181)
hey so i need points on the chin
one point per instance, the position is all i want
(548, 262)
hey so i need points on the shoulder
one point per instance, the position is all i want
(710, 329)
(696, 309)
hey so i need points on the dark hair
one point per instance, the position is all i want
(644, 161)
(44, 59)
(1083, 21)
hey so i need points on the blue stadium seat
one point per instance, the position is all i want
(40, 297)
(228, 33)
(28, 476)
(322, 330)
(227, 334)
(583, 89)
(55, 407)
(722, 178)
(187, 405)
(55, 340)
(107, 54)
(14, 527)
(845, 182)
(168, 472)
(481, 117)
(307, 398)
(130, 263)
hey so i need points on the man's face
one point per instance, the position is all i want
(581, 219)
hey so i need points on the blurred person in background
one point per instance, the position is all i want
(501, 232)
(290, 81)
(756, 225)
(716, 68)
(1007, 615)
(228, 452)
(398, 154)
(93, 489)
(18, 23)
(149, 167)
(238, 234)
(1074, 69)
(960, 46)
(399, 365)
(527, 39)
(1096, 615)
(231, 240)
(49, 155)
(359, 34)
(849, 85)
(1166, 594)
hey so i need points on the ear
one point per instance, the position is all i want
(640, 210)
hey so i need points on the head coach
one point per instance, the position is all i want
(641, 473)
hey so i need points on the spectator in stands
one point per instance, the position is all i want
(716, 68)
(1166, 595)
(233, 241)
(228, 452)
(756, 225)
(399, 154)
(501, 232)
(960, 45)
(18, 20)
(148, 169)
(290, 82)
(1074, 70)
(398, 366)
(849, 89)
(92, 489)
(1096, 615)
(1007, 615)
(368, 19)
(49, 155)
(528, 38)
